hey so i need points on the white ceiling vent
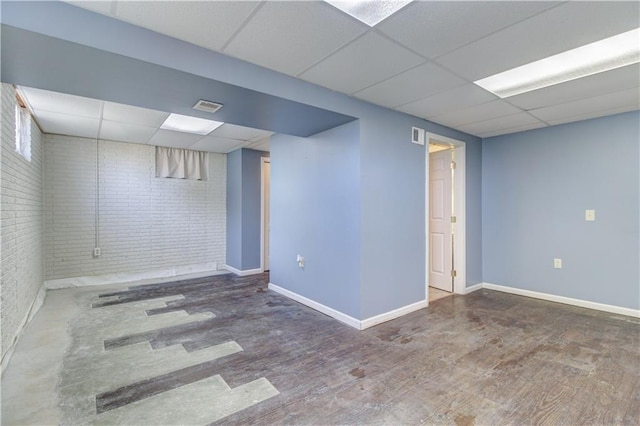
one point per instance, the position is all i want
(207, 106)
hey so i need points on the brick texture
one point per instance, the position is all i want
(21, 227)
(145, 223)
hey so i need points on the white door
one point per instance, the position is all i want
(440, 253)
(266, 173)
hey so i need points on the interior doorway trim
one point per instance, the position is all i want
(263, 160)
(459, 185)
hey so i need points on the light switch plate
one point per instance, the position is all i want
(590, 215)
(417, 135)
(557, 263)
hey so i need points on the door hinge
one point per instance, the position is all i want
(453, 219)
(453, 273)
(453, 165)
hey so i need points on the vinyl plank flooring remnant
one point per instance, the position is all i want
(484, 358)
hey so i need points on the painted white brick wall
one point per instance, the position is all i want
(21, 229)
(145, 223)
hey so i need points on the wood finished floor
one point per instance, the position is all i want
(484, 358)
(487, 358)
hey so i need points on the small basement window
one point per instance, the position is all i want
(23, 130)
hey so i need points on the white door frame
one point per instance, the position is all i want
(263, 160)
(459, 188)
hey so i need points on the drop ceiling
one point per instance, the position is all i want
(59, 113)
(421, 61)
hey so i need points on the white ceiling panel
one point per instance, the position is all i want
(209, 24)
(291, 36)
(522, 128)
(366, 61)
(445, 102)
(622, 99)
(101, 6)
(216, 144)
(482, 112)
(261, 145)
(425, 26)
(231, 131)
(125, 132)
(417, 83)
(66, 124)
(589, 115)
(133, 115)
(501, 123)
(173, 139)
(44, 100)
(586, 87)
(553, 31)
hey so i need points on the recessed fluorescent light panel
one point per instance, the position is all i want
(604, 55)
(186, 124)
(371, 12)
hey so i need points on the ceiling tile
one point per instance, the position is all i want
(561, 28)
(44, 100)
(173, 139)
(482, 112)
(596, 114)
(209, 24)
(219, 145)
(65, 124)
(451, 100)
(417, 83)
(501, 123)
(291, 36)
(133, 115)
(231, 131)
(586, 87)
(433, 28)
(625, 98)
(260, 145)
(102, 6)
(368, 60)
(517, 129)
(125, 132)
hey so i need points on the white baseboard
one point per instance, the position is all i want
(342, 317)
(349, 320)
(243, 273)
(188, 271)
(473, 288)
(396, 313)
(566, 300)
(33, 310)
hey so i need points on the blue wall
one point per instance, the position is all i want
(234, 209)
(536, 186)
(243, 208)
(315, 212)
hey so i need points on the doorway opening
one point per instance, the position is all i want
(265, 173)
(445, 217)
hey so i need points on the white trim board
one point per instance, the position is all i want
(178, 272)
(243, 273)
(344, 318)
(562, 299)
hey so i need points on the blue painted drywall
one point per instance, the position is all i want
(251, 207)
(244, 181)
(315, 213)
(234, 209)
(536, 186)
(391, 199)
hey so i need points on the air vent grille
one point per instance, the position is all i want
(207, 106)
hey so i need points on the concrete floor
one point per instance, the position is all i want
(226, 350)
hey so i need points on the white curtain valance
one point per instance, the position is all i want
(181, 163)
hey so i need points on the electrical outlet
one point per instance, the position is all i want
(590, 215)
(557, 263)
(97, 252)
(300, 261)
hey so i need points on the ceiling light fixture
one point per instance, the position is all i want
(371, 12)
(187, 124)
(603, 55)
